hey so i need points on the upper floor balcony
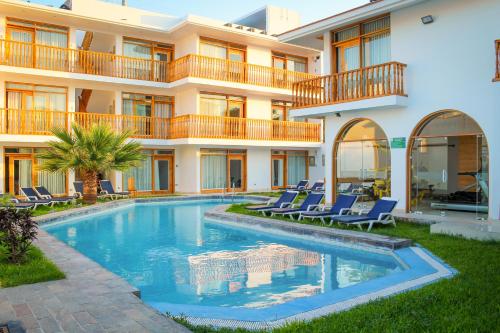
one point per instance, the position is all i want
(371, 82)
(190, 126)
(37, 56)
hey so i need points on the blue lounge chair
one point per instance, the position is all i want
(45, 194)
(301, 186)
(285, 200)
(311, 202)
(380, 213)
(343, 206)
(33, 197)
(107, 189)
(18, 205)
(78, 185)
(319, 186)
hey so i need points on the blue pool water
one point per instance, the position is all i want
(173, 255)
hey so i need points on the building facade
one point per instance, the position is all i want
(208, 100)
(410, 98)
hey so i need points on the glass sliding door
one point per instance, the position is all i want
(278, 172)
(449, 167)
(163, 171)
(19, 174)
(236, 172)
(223, 170)
(213, 172)
(296, 167)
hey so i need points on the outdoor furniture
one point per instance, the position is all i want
(311, 202)
(301, 186)
(33, 197)
(343, 206)
(78, 185)
(318, 186)
(285, 200)
(107, 189)
(43, 193)
(380, 213)
(18, 205)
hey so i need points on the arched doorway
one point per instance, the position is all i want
(362, 162)
(448, 165)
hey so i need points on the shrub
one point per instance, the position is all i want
(17, 231)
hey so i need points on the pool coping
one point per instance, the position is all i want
(321, 308)
(220, 214)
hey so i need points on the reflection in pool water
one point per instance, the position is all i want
(173, 255)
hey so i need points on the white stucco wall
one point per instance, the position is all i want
(451, 63)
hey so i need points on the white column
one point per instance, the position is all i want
(326, 56)
(71, 179)
(3, 24)
(118, 44)
(117, 176)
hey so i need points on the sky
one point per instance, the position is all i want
(229, 10)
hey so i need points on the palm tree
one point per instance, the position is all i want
(90, 152)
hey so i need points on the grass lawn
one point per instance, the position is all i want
(37, 268)
(470, 302)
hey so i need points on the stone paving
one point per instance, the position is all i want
(90, 299)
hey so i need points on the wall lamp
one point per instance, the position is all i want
(428, 19)
(338, 114)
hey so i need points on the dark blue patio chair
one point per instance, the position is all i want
(17, 204)
(301, 186)
(342, 206)
(381, 212)
(318, 186)
(107, 189)
(311, 202)
(285, 200)
(43, 193)
(33, 197)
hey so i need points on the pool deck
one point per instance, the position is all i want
(345, 236)
(90, 299)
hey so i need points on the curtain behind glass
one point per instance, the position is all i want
(377, 49)
(128, 107)
(213, 51)
(48, 57)
(136, 51)
(213, 172)
(25, 167)
(213, 107)
(55, 182)
(142, 175)
(296, 169)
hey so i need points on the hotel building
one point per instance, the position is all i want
(208, 100)
(410, 97)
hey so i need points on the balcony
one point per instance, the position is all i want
(194, 65)
(360, 84)
(35, 122)
(29, 55)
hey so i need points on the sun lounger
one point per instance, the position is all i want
(33, 197)
(285, 200)
(43, 193)
(311, 202)
(107, 189)
(342, 206)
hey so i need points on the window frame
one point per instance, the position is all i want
(153, 45)
(227, 45)
(153, 102)
(228, 100)
(34, 26)
(358, 40)
(284, 56)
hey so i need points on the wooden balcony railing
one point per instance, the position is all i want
(29, 55)
(497, 47)
(21, 54)
(36, 122)
(368, 82)
(194, 65)
(213, 127)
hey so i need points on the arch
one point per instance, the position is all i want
(367, 134)
(444, 124)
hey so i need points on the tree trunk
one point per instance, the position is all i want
(89, 187)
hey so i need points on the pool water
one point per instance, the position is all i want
(173, 255)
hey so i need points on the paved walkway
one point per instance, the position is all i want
(90, 299)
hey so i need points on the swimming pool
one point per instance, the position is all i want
(185, 264)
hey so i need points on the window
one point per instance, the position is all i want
(147, 50)
(222, 50)
(155, 173)
(21, 171)
(281, 110)
(289, 62)
(362, 45)
(148, 105)
(223, 169)
(38, 33)
(222, 105)
(23, 96)
(288, 167)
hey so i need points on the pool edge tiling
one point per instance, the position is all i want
(422, 268)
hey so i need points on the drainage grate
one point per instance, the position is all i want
(4, 329)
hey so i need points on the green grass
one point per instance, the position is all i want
(36, 268)
(469, 302)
